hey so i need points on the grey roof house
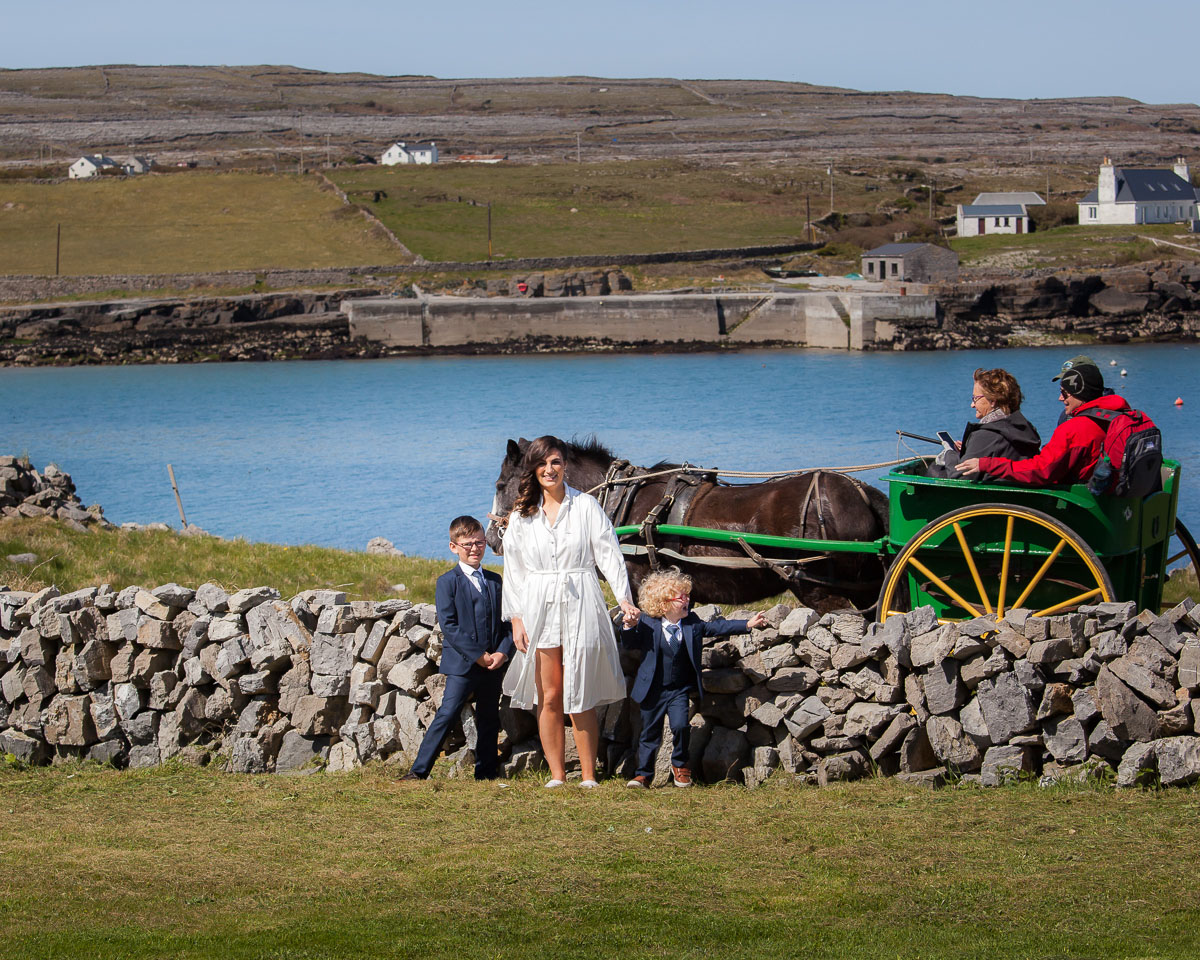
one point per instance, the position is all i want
(913, 262)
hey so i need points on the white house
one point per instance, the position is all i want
(401, 152)
(89, 165)
(136, 165)
(1140, 196)
(976, 219)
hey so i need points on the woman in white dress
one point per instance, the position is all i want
(567, 661)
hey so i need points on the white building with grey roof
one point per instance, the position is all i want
(1124, 196)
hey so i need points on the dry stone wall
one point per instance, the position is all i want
(258, 684)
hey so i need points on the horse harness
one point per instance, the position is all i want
(623, 481)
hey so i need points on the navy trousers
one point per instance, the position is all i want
(485, 685)
(672, 702)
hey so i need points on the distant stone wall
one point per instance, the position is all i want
(256, 684)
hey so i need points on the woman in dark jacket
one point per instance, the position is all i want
(1001, 430)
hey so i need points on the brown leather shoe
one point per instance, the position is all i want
(682, 776)
(639, 782)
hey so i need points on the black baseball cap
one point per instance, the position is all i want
(1080, 377)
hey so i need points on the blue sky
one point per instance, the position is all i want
(1018, 48)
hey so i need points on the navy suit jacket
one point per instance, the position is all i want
(647, 634)
(462, 643)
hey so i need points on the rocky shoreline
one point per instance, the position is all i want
(1151, 302)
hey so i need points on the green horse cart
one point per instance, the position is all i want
(970, 549)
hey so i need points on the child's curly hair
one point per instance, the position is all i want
(658, 588)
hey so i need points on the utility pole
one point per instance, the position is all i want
(931, 189)
(578, 148)
(489, 229)
(808, 220)
(831, 185)
(57, 248)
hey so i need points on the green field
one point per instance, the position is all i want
(440, 212)
(187, 222)
(182, 863)
(1073, 246)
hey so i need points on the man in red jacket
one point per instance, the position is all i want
(1076, 445)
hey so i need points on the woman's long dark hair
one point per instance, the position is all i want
(529, 491)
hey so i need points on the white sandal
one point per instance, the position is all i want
(588, 784)
(551, 784)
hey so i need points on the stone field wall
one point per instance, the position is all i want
(256, 684)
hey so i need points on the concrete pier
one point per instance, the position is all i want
(837, 319)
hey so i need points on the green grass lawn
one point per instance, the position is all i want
(183, 223)
(440, 212)
(177, 862)
(1070, 246)
(71, 560)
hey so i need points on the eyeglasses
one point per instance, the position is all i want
(471, 544)
(684, 599)
(977, 398)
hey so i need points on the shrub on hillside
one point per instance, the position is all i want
(1056, 213)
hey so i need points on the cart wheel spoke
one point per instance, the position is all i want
(966, 551)
(1008, 536)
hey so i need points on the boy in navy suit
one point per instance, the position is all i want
(670, 670)
(476, 644)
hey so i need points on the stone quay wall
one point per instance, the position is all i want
(815, 319)
(256, 684)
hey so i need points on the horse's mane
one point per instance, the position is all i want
(589, 446)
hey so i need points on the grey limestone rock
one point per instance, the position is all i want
(1138, 765)
(319, 716)
(213, 598)
(866, 720)
(157, 635)
(793, 680)
(69, 722)
(30, 750)
(152, 606)
(297, 753)
(944, 690)
(920, 621)
(727, 752)
(1065, 738)
(893, 736)
(247, 599)
(143, 755)
(1188, 674)
(1005, 764)
(1128, 716)
(971, 718)
(951, 744)
(173, 595)
(851, 765)
(807, 718)
(1102, 742)
(933, 647)
(329, 655)
(1007, 707)
(1178, 760)
(409, 675)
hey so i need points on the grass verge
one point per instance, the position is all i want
(71, 560)
(186, 863)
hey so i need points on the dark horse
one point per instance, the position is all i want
(818, 505)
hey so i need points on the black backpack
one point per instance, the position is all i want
(1131, 463)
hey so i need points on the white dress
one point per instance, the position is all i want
(550, 583)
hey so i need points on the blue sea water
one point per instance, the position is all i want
(337, 452)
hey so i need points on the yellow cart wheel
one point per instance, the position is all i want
(991, 558)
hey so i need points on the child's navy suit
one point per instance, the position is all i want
(666, 678)
(471, 626)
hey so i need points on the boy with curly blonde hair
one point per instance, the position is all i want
(671, 637)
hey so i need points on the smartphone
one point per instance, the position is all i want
(947, 440)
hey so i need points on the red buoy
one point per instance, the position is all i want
(1179, 401)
